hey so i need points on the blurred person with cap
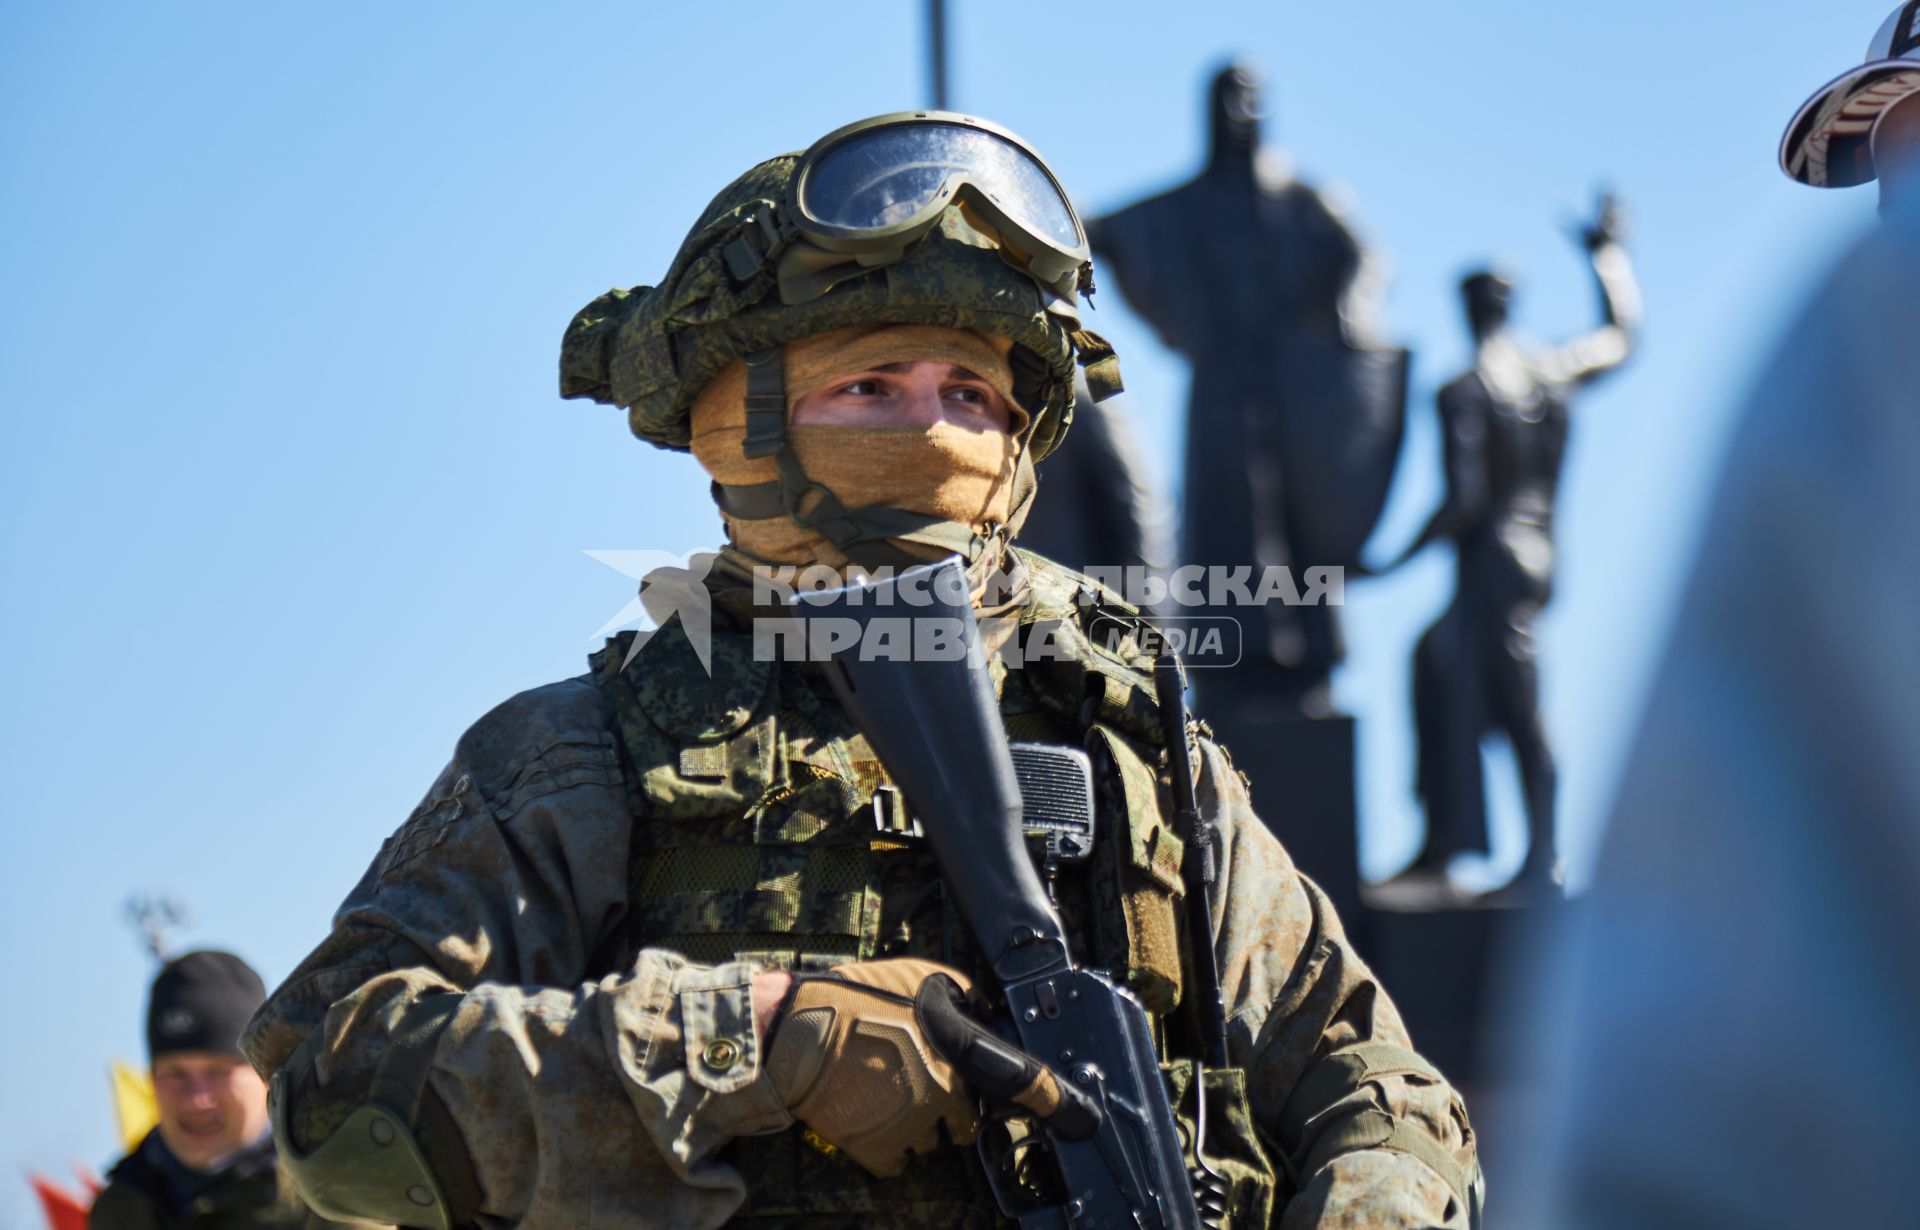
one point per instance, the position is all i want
(1732, 1015)
(1865, 124)
(210, 1162)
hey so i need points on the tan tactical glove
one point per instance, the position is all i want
(851, 1062)
(861, 1056)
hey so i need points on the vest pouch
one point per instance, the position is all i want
(1247, 1183)
(699, 734)
(730, 858)
(1076, 677)
(792, 883)
(1135, 874)
(798, 1184)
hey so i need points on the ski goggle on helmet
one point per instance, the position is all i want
(862, 195)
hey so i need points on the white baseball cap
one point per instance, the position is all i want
(1828, 144)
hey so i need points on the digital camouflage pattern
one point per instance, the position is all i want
(652, 349)
(579, 1066)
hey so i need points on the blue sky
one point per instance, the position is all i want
(289, 498)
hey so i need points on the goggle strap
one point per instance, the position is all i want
(759, 235)
(766, 404)
(1099, 361)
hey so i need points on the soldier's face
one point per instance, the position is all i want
(1896, 151)
(905, 395)
(210, 1106)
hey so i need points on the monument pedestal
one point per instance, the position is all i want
(1443, 955)
(1303, 789)
(1450, 972)
(1443, 967)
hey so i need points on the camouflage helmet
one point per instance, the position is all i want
(745, 280)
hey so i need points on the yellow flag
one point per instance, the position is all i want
(133, 1104)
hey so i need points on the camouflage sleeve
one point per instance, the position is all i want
(572, 1100)
(1295, 993)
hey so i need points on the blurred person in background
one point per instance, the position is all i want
(1865, 124)
(1737, 1004)
(210, 1162)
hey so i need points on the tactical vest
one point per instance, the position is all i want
(765, 828)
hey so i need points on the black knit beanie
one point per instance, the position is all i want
(201, 1002)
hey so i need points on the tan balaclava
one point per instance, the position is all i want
(946, 470)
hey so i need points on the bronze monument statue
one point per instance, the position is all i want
(1293, 428)
(1295, 418)
(1475, 671)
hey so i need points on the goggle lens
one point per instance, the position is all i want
(883, 176)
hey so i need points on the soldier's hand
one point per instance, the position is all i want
(876, 1058)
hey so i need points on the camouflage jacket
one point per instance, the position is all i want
(572, 1067)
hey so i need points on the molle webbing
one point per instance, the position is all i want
(798, 1184)
(719, 903)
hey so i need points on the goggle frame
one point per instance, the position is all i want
(1060, 269)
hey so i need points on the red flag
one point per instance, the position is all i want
(65, 1210)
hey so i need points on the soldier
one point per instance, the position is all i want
(637, 958)
(209, 1164)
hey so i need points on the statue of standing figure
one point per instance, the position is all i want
(1294, 423)
(1295, 417)
(1475, 671)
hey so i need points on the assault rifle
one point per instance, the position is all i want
(1115, 1151)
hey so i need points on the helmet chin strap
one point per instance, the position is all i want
(869, 536)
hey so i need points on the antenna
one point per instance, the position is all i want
(156, 918)
(937, 51)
